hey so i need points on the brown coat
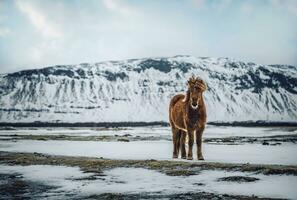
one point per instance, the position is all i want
(186, 119)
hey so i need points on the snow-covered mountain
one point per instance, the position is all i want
(140, 90)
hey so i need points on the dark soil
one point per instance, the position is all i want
(197, 195)
(238, 179)
(174, 168)
(13, 186)
(105, 138)
(181, 172)
(265, 140)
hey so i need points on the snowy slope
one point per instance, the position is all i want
(140, 90)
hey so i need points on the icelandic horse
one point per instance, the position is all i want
(187, 116)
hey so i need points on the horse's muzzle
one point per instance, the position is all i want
(194, 105)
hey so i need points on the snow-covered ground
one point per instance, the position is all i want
(72, 181)
(210, 131)
(124, 180)
(159, 150)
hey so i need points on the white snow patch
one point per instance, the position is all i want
(161, 150)
(128, 180)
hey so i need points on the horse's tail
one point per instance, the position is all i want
(187, 138)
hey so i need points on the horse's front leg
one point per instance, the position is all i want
(199, 133)
(182, 144)
(190, 144)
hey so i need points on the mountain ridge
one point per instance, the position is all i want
(140, 90)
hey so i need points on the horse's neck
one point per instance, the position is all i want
(187, 98)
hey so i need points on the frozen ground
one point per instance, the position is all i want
(146, 143)
(210, 131)
(70, 181)
(156, 145)
(159, 150)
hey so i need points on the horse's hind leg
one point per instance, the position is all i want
(175, 140)
(183, 144)
(178, 137)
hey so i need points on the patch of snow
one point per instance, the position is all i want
(126, 180)
(160, 150)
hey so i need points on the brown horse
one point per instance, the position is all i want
(187, 115)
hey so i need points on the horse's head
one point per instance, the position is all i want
(196, 86)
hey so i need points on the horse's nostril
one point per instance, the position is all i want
(194, 104)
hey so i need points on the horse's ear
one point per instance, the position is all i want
(204, 86)
(191, 80)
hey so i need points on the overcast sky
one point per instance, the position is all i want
(35, 34)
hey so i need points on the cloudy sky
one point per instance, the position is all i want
(35, 34)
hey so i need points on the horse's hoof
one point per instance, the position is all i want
(174, 156)
(189, 158)
(200, 158)
(184, 157)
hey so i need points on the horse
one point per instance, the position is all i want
(187, 115)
